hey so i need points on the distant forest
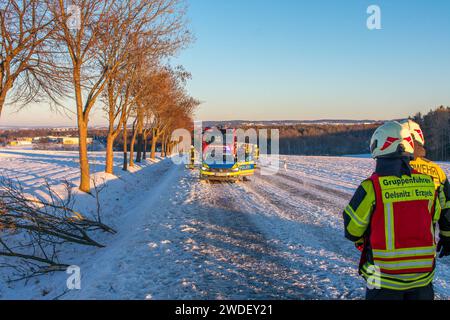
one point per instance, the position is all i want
(436, 127)
(343, 139)
(326, 139)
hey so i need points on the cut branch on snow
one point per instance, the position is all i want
(34, 230)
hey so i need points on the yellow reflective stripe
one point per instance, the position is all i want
(355, 230)
(403, 281)
(384, 283)
(444, 233)
(402, 286)
(447, 205)
(441, 196)
(437, 212)
(391, 277)
(355, 218)
(430, 206)
(405, 264)
(405, 277)
(404, 252)
(389, 225)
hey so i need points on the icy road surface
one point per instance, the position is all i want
(274, 237)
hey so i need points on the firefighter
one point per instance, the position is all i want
(256, 152)
(391, 218)
(425, 166)
(421, 163)
(255, 155)
(192, 157)
(248, 152)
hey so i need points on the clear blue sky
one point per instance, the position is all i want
(295, 59)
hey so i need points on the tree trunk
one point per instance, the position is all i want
(110, 153)
(2, 102)
(169, 148)
(139, 147)
(125, 148)
(140, 131)
(112, 132)
(85, 177)
(144, 153)
(133, 141)
(6, 86)
(163, 148)
(153, 149)
(85, 180)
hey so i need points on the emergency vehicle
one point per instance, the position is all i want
(220, 156)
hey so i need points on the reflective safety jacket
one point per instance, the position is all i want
(192, 154)
(430, 168)
(442, 184)
(395, 217)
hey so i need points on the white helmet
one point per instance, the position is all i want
(391, 139)
(415, 130)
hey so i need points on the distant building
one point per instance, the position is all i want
(68, 141)
(21, 142)
(47, 139)
(72, 140)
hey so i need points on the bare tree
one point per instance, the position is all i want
(140, 131)
(167, 100)
(125, 141)
(184, 109)
(88, 76)
(116, 109)
(143, 35)
(94, 54)
(133, 142)
(26, 67)
(136, 88)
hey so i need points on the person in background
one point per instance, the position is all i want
(425, 166)
(192, 158)
(391, 218)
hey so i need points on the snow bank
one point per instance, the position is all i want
(32, 168)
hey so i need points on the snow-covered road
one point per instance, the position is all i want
(252, 240)
(274, 237)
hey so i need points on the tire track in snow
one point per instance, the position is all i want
(298, 191)
(320, 228)
(242, 262)
(294, 202)
(327, 190)
(298, 206)
(272, 253)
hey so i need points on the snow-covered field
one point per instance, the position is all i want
(274, 237)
